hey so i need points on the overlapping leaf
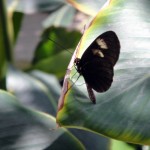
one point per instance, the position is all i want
(58, 18)
(22, 128)
(52, 56)
(37, 5)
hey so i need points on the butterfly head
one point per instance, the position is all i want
(77, 65)
(77, 61)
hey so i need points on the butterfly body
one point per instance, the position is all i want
(97, 62)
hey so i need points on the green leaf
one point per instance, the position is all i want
(56, 65)
(17, 20)
(53, 56)
(22, 128)
(47, 48)
(50, 81)
(59, 19)
(118, 145)
(40, 91)
(87, 6)
(123, 111)
(3, 64)
(32, 92)
(3, 45)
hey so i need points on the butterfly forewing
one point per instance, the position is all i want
(97, 62)
(107, 44)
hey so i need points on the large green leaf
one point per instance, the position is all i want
(23, 129)
(33, 93)
(123, 111)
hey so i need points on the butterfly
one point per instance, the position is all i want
(97, 63)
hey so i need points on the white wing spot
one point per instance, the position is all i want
(101, 43)
(97, 52)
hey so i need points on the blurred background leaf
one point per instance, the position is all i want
(34, 6)
(59, 19)
(22, 128)
(53, 56)
(47, 48)
(88, 7)
(17, 20)
(4, 45)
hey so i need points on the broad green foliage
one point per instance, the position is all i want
(40, 91)
(123, 111)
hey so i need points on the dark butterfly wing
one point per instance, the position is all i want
(96, 64)
(99, 78)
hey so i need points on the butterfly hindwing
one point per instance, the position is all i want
(99, 78)
(97, 62)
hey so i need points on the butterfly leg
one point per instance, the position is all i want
(74, 83)
(91, 94)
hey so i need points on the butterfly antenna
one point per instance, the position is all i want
(77, 78)
(58, 44)
(73, 75)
